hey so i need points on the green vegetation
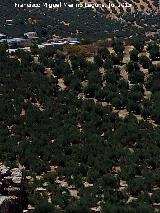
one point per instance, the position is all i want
(90, 25)
(85, 154)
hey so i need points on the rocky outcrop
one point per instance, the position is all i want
(12, 193)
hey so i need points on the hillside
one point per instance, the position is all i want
(143, 6)
(81, 125)
(80, 116)
(85, 23)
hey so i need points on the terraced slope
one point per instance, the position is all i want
(82, 22)
(145, 6)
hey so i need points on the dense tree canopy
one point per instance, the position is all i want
(84, 132)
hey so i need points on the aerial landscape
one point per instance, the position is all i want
(80, 106)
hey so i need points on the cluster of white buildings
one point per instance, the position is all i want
(59, 42)
(26, 41)
(18, 42)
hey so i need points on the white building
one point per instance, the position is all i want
(2, 36)
(30, 35)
